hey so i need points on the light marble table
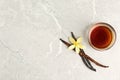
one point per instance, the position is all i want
(29, 39)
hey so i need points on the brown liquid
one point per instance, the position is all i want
(101, 37)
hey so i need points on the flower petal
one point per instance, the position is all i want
(77, 50)
(79, 40)
(71, 40)
(71, 47)
(81, 46)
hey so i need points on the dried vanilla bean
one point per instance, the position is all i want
(85, 61)
(98, 64)
(66, 43)
(85, 58)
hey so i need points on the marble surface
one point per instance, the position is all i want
(29, 39)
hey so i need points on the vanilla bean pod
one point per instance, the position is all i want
(82, 51)
(98, 64)
(66, 43)
(73, 36)
(85, 60)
